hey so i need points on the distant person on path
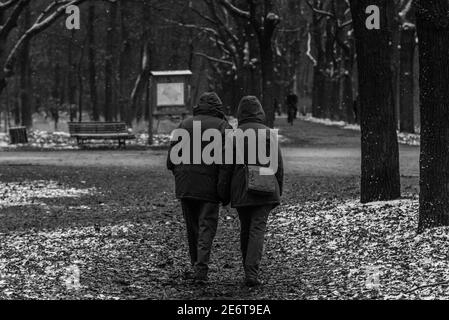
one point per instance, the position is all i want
(355, 110)
(201, 187)
(277, 107)
(292, 107)
(253, 208)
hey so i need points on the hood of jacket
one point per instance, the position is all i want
(250, 110)
(210, 105)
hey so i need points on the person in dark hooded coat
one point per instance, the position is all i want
(201, 187)
(292, 107)
(253, 209)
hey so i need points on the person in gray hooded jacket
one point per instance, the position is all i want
(253, 209)
(201, 187)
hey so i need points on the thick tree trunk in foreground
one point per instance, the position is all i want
(433, 33)
(380, 178)
(406, 106)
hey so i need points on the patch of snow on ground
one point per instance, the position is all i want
(353, 239)
(30, 192)
(412, 139)
(62, 141)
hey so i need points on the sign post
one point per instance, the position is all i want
(170, 96)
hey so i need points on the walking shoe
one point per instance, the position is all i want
(188, 275)
(251, 282)
(200, 277)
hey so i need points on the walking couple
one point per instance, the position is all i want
(201, 187)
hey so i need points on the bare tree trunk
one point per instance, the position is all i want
(80, 82)
(347, 98)
(396, 63)
(407, 69)
(7, 26)
(266, 35)
(143, 78)
(319, 83)
(8, 110)
(433, 32)
(331, 98)
(92, 64)
(407, 119)
(16, 101)
(124, 65)
(25, 75)
(109, 103)
(2, 45)
(336, 113)
(380, 178)
(71, 78)
(56, 95)
(267, 61)
(319, 80)
(140, 83)
(147, 103)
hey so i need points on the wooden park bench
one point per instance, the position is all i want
(100, 131)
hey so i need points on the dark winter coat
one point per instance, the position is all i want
(201, 181)
(251, 116)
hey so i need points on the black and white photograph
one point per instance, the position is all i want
(241, 151)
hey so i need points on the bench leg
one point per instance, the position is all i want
(80, 142)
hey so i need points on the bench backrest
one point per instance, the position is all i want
(97, 127)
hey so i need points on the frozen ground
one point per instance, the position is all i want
(109, 219)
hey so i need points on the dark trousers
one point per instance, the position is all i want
(201, 220)
(253, 223)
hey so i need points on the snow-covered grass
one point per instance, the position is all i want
(327, 249)
(368, 250)
(329, 122)
(32, 192)
(412, 139)
(61, 141)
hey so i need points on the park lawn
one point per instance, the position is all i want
(122, 229)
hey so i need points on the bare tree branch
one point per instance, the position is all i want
(213, 59)
(6, 5)
(233, 9)
(319, 11)
(40, 24)
(309, 50)
(11, 23)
